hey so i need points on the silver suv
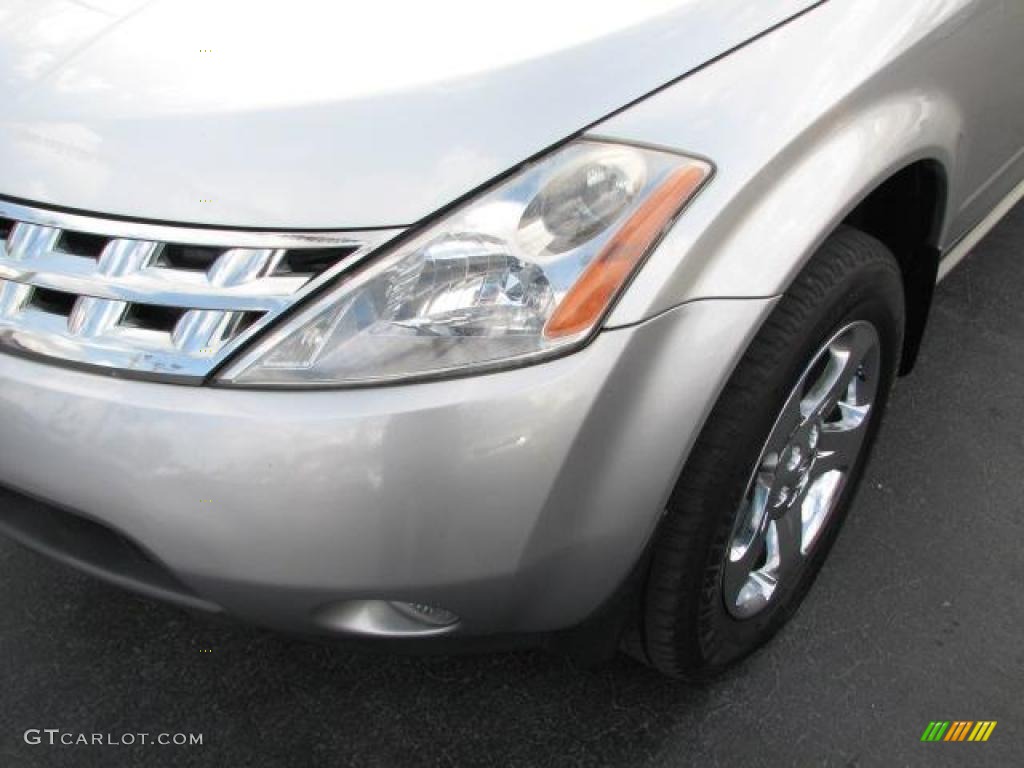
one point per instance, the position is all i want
(456, 323)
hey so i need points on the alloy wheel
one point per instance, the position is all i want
(804, 465)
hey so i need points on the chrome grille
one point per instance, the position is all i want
(150, 299)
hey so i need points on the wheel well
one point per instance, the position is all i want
(905, 212)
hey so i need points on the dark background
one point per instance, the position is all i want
(917, 616)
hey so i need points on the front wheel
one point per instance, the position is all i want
(775, 469)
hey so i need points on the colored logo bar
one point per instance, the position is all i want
(959, 730)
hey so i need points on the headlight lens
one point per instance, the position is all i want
(526, 270)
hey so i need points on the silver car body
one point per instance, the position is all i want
(520, 500)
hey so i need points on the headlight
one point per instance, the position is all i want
(526, 270)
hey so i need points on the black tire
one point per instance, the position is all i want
(686, 629)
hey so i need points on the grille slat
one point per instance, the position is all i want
(26, 240)
(155, 285)
(14, 297)
(95, 317)
(174, 306)
(200, 332)
(240, 266)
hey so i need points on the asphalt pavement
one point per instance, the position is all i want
(918, 616)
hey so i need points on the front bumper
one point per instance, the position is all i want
(519, 500)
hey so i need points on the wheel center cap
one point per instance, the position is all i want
(795, 467)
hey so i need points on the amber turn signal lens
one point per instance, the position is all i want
(605, 276)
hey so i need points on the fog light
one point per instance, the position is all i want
(386, 618)
(428, 614)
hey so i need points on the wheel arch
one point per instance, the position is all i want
(887, 168)
(906, 212)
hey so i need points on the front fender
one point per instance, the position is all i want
(802, 125)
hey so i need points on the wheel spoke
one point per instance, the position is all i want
(750, 518)
(817, 505)
(791, 417)
(830, 387)
(738, 573)
(838, 449)
(788, 534)
(848, 358)
(757, 590)
(826, 388)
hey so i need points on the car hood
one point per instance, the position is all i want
(317, 114)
